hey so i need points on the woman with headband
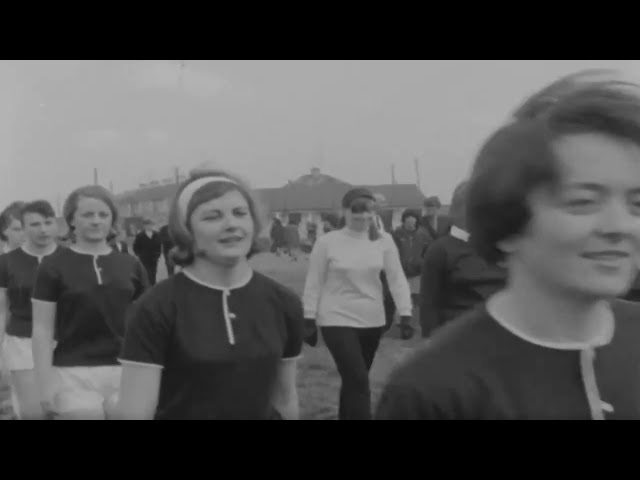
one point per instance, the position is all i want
(554, 196)
(80, 297)
(216, 340)
(343, 295)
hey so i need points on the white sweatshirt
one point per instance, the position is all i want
(343, 286)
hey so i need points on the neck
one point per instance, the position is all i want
(549, 314)
(356, 233)
(38, 250)
(92, 248)
(225, 276)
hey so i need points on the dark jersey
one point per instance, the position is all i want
(92, 293)
(474, 368)
(17, 275)
(220, 349)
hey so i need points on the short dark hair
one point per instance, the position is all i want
(432, 201)
(519, 157)
(10, 213)
(90, 191)
(41, 207)
(410, 212)
(183, 253)
(459, 201)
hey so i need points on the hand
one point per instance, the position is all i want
(310, 332)
(406, 329)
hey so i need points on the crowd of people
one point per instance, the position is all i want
(525, 292)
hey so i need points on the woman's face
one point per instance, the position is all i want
(223, 228)
(14, 234)
(40, 230)
(584, 237)
(360, 215)
(410, 223)
(92, 220)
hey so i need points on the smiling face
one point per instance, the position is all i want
(360, 215)
(92, 220)
(584, 235)
(223, 228)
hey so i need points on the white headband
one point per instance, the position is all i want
(193, 187)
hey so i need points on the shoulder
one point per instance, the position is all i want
(627, 318)
(161, 295)
(271, 287)
(61, 257)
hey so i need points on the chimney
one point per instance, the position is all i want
(315, 172)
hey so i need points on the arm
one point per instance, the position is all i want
(316, 274)
(136, 246)
(144, 352)
(433, 288)
(398, 284)
(285, 394)
(44, 317)
(4, 314)
(44, 304)
(141, 280)
(139, 391)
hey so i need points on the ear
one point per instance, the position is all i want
(509, 246)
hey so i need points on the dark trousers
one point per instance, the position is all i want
(152, 269)
(353, 350)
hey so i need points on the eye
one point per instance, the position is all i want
(241, 213)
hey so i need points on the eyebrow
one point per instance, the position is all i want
(594, 187)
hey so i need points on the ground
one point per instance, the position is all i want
(318, 381)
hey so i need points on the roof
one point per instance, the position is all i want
(299, 197)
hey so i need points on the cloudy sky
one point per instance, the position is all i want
(269, 121)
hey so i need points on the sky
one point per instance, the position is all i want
(268, 121)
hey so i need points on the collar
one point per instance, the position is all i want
(459, 233)
(242, 283)
(49, 252)
(603, 338)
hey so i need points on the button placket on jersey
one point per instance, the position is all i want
(228, 316)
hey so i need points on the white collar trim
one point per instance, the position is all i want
(604, 338)
(242, 283)
(53, 249)
(459, 234)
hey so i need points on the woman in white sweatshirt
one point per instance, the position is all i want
(343, 296)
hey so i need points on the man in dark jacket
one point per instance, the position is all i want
(167, 245)
(148, 248)
(435, 224)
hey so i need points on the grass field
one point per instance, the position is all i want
(318, 381)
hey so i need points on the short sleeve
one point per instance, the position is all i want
(294, 321)
(147, 335)
(48, 284)
(140, 280)
(4, 273)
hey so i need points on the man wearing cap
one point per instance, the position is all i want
(148, 247)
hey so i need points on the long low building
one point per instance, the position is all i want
(310, 199)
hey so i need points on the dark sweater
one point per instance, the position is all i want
(454, 280)
(147, 249)
(476, 369)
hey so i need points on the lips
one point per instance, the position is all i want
(229, 240)
(606, 255)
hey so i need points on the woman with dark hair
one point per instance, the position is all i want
(454, 277)
(80, 298)
(554, 343)
(17, 275)
(216, 340)
(11, 232)
(343, 296)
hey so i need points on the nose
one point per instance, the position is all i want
(617, 221)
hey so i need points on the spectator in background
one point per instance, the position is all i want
(11, 232)
(116, 240)
(412, 241)
(437, 225)
(292, 239)
(167, 244)
(455, 278)
(277, 236)
(148, 248)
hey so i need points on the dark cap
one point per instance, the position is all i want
(147, 221)
(354, 194)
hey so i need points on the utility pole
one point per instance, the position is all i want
(95, 176)
(417, 168)
(393, 174)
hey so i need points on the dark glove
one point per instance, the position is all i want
(310, 332)
(406, 330)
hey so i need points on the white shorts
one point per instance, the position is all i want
(81, 392)
(17, 353)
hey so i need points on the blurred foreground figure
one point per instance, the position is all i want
(555, 196)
